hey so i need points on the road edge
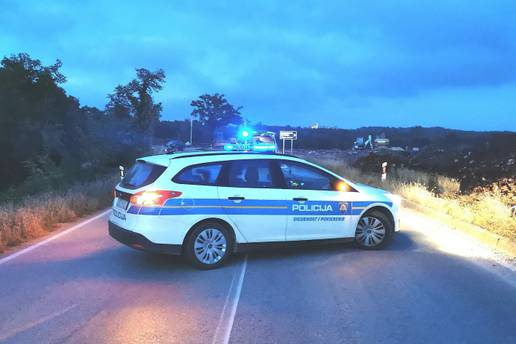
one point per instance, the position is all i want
(492, 240)
(67, 228)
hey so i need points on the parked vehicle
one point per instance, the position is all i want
(207, 205)
(173, 146)
(264, 142)
(260, 142)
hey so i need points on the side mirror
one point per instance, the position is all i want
(122, 170)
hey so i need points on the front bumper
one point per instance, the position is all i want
(139, 242)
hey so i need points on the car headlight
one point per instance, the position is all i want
(395, 199)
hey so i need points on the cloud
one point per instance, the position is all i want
(283, 60)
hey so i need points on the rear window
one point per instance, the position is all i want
(142, 173)
(205, 174)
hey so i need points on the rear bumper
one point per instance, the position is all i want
(139, 242)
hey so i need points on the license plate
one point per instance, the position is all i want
(119, 214)
(121, 203)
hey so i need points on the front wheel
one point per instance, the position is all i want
(208, 246)
(374, 230)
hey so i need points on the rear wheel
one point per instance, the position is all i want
(374, 230)
(208, 245)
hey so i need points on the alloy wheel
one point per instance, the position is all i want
(370, 231)
(210, 246)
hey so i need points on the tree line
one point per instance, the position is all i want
(47, 138)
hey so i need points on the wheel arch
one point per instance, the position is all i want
(383, 209)
(216, 220)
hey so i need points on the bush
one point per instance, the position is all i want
(36, 215)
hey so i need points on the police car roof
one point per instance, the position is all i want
(164, 159)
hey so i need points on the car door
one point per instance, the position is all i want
(317, 209)
(251, 198)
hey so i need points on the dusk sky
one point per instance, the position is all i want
(339, 63)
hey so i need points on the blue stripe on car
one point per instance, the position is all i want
(254, 207)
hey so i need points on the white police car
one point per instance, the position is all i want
(207, 205)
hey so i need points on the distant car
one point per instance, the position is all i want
(173, 146)
(207, 205)
(264, 142)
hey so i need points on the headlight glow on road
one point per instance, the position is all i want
(444, 238)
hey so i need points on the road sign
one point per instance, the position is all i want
(288, 135)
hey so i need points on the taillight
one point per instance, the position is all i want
(153, 198)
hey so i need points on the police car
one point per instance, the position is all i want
(207, 205)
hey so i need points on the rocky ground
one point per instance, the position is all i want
(505, 187)
(477, 170)
(473, 169)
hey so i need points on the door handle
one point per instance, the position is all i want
(236, 198)
(300, 199)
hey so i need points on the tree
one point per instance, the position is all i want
(135, 100)
(214, 111)
(139, 92)
(48, 139)
(37, 117)
(119, 106)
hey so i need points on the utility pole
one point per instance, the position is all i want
(191, 131)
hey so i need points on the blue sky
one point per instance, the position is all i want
(339, 63)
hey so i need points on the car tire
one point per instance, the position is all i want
(374, 230)
(208, 245)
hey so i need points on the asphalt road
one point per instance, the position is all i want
(83, 287)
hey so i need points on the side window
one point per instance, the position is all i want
(205, 174)
(250, 174)
(305, 177)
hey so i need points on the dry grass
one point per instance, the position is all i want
(484, 210)
(36, 215)
(439, 193)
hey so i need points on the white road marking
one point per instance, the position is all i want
(52, 238)
(35, 323)
(225, 325)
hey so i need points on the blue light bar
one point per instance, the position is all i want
(245, 133)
